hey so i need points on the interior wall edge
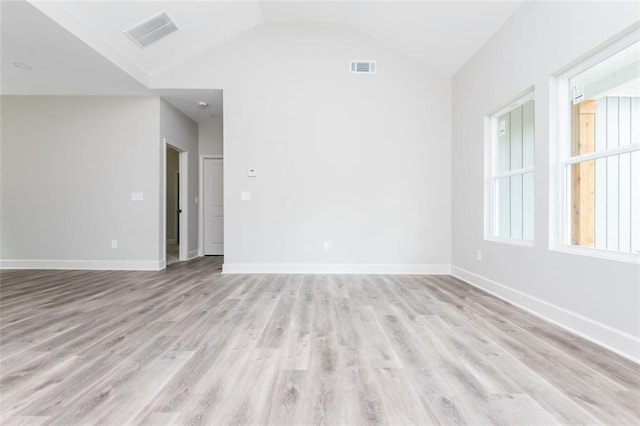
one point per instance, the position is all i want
(623, 344)
(98, 265)
(336, 268)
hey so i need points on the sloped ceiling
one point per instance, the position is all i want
(441, 34)
(201, 25)
(61, 64)
(79, 48)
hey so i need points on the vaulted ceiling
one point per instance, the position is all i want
(67, 42)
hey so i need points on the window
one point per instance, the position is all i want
(600, 152)
(512, 171)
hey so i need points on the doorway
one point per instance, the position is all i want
(172, 231)
(213, 206)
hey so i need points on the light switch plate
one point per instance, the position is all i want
(137, 196)
(245, 196)
(252, 173)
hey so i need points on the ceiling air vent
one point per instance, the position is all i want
(366, 67)
(152, 30)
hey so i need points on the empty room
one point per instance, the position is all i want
(319, 212)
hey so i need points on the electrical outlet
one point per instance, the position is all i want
(479, 255)
(114, 243)
(327, 246)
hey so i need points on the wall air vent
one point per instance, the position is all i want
(152, 30)
(363, 67)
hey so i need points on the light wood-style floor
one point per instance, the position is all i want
(188, 345)
(172, 254)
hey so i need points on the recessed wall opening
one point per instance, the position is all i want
(191, 123)
(173, 211)
(210, 144)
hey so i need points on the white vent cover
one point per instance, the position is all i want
(366, 67)
(152, 30)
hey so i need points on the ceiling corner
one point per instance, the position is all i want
(70, 23)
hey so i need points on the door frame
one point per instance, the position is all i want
(183, 202)
(201, 199)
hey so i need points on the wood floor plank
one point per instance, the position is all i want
(274, 332)
(14, 393)
(518, 409)
(560, 405)
(228, 333)
(596, 357)
(443, 410)
(285, 398)
(400, 402)
(189, 345)
(377, 350)
(449, 344)
(29, 420)
(423, 371)
(130, 399)
(297, 345)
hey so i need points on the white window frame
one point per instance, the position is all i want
(563, 217)
(492, 176)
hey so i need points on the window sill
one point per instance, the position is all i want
(598, 253)
(511, 241)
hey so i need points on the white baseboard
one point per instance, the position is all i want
(118, 265)
(620, 342)
(333, 268)
(192, 254)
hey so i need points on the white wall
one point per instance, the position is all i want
(69, 165)
(361, 161)
(181, 132)
(210, 137)
(597, 298)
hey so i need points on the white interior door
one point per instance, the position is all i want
(213, 207)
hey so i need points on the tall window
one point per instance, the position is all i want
(512, 171)
(601, 161)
